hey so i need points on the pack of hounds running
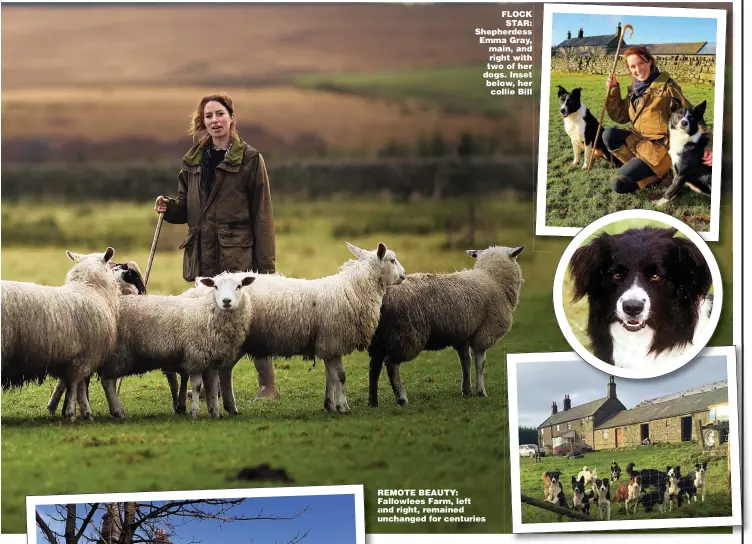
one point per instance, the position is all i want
(650, 488)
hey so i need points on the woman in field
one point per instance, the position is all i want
(224, 196)
(650, 101)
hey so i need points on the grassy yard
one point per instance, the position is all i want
(575, 198)
(717, 500)
(440, 440)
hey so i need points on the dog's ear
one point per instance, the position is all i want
(576, 92)
(582, 480)
(690, 269)
(700, 108)
(574, 480)
(562, 90)
(585, 264)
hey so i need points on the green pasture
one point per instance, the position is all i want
(576, 198)
(459, 89)
(717, 498)
(440, 440)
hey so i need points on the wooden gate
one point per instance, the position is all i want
(619, 433)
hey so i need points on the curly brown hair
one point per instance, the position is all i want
(197, 128)
(642, 52)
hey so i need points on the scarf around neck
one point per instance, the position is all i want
(639, 87)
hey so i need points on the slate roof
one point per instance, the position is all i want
(707, 49)
(591, 40)
(576, 412)
(683, 48)
(684, 405)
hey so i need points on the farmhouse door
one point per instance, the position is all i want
(619, 437)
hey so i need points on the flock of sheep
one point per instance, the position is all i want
(95, 323)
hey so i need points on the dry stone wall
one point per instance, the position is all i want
(682, 68)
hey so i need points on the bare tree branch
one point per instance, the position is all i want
(70, 524)
(86, 520)
(49, 535)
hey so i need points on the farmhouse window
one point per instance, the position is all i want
(569, 426)
(541, 432)
(604, 435)
(557, 427)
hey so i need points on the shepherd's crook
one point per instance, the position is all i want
(603, 111)
(148, 267)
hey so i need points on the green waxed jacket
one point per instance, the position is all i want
(233, 227)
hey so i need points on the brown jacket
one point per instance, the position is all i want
(650, 115)
(233, 227)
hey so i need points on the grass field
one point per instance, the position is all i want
(575, 198)
(440, 440)
(717, 500)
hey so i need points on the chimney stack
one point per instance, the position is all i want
(567, 403)
(618, 29)
(581, 33)
(554, 409)
(569, 34)
(611, 388)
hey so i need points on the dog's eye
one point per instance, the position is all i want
(617, 276)
(655, 277)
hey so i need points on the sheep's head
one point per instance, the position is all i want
(89, 266)
(392, 272)
(130, 278)
(227, 290)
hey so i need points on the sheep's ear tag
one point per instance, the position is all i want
(514, 253)
(248, 280)
(381, 251)
(73, 256)
(473, 253)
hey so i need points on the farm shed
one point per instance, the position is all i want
(577, 424)
(671, 418)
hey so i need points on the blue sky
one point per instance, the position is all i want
(330, 519)
(647, 29)
(540, 384)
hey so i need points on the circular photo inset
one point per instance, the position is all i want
(637, 294)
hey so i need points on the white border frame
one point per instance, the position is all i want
(271, 492)
(619, 525)
(541, 229)
(561, 271)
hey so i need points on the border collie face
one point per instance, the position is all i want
(673, 472)
(555, 477)
(701, 467)
(687, 119)
(643, 278)
(602, 486)
(569, 102)
(578, 488)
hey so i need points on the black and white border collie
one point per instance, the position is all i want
(615, 472)
(604, 498)
(648, 294)
(580, 500)
(698, 479)
(686, 146)
(580, 126)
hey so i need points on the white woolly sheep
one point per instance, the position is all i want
(326, 318)
(64, 331)
(468, 310)
(180, 334)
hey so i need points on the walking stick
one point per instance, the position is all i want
(613, 70)
(148, 266)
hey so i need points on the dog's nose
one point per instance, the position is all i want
(633, 307)
(684, 123)
(562, 110)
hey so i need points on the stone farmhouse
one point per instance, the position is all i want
(606, 423)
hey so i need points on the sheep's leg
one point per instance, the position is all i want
(83, 400)
(182, 394)
(377, 363)
(172, 380)
(110, 391)
(212, 379)
(57, 394)
(329, 400)
(464, 354)
(196, 383)
(265, 371)
(69, 411)
(228, 392)
(393, 370)
(480, 362)
(336, 390)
